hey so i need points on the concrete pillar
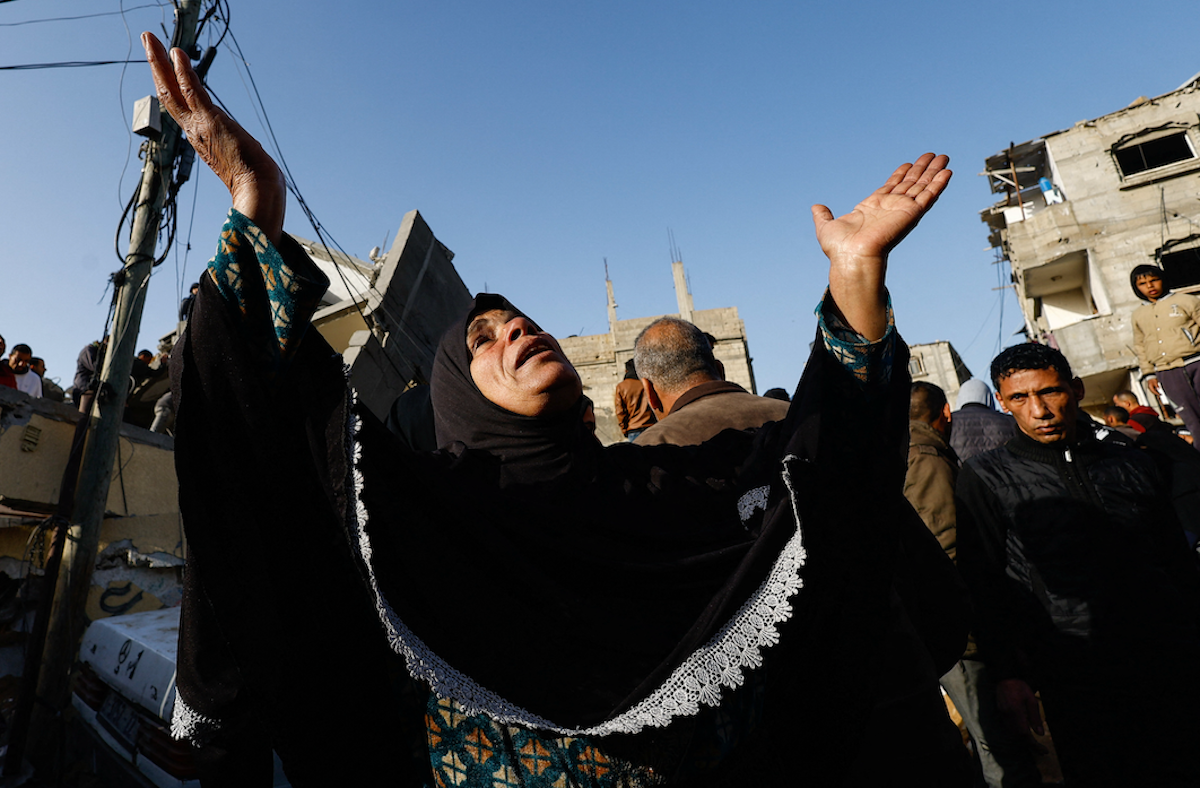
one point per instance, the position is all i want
(682, 296)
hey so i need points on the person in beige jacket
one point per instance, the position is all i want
(1166, 339)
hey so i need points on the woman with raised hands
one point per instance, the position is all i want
(524, 606)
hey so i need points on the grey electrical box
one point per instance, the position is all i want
(147, 119)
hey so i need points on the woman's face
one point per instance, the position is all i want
(518, 366)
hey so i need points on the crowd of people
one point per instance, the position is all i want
(26, 372)
(1075, 540)
(1074, 537)
(747, 591)
(148, 403)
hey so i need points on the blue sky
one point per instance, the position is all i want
(539, 138)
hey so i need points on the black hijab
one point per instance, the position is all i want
(531, 449)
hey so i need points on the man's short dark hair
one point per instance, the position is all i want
(1121, 415)
(1029, 355)
(926, 402)
(630, 370)
(22, 348)
(675, 352)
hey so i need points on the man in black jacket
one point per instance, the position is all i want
(978, 427)
(1083, 585)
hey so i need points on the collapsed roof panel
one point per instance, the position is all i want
(1029, 161)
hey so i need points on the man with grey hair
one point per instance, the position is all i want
(685, 389)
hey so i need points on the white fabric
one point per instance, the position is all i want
(189, 725)
(30, 383)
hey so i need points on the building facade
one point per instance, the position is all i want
(600, 358)
(1082, 207)
(939, 363)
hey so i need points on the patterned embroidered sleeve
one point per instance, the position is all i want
(869, 362)
(251, 273)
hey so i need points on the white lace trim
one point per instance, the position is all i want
(752, 501)
(189, 725)
(699, 679)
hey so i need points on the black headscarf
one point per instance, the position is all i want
(531, 449)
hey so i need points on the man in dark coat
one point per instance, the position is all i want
(978, 427)
(1083, 585)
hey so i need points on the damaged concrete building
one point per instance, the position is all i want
(938, 363)
(386, 316)
(1082, 207)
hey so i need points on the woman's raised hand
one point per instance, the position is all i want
(858, 243)
(254, 181)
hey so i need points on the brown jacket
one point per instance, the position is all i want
(709, 408)
(930, 480)
(929, 486)
(631, 407)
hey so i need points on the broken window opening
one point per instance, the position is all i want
(1180, 262)
(1151, 154)
(1065, 291)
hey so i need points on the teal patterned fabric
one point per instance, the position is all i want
(475, 750)
(246, 267)
(870, 362)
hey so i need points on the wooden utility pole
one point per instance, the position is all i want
(79, 557)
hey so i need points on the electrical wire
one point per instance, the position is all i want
(66, 64)
(121, 102)
(83, 16)
(216, 6)
(257, 105)
(987, 319)
(180, 272)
